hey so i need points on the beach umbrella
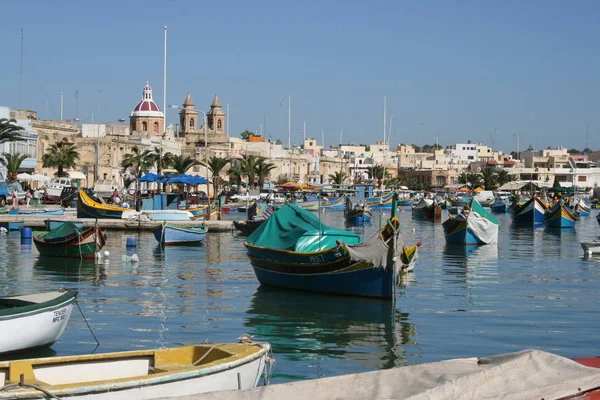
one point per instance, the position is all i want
(39, 178)
(24, 177)
(150, 177)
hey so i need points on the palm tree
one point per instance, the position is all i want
(262, 171)
(161, 161)
(215, 165)
(490, 177)
(9, 132)
(12, 162)
(137, 162)
(182, 164)
(249, 164)
(504, 176)
(60, 155)
(376, 172)
(338, 177)
(236, 174)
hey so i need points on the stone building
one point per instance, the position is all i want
(146, 115)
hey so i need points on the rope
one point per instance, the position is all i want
(88, 325)
(28, 385)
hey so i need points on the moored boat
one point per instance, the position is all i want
(37, 211)
(294, 250)
(473, 226)
(138, 375)
(383, 201)
(559, 216)
(499, 206)
(582, 208)
(52, 224)
(11, 225)
(32, 321)
(171, 234)
(68, 241)
(529, 213)
(592, 247)
(357, 213)
(333, 203)
(427, 209)
(89, 206)
(258, 213)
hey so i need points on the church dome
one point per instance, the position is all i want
(147, 107)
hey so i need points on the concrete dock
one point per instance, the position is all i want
(37, 222)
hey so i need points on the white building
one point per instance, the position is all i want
(28, 147)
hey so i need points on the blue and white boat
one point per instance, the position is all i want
(499, 206)
(357, 213)
(12, 225)
(582, 208)
(559, 216)
(473, 226)
(171, 234)
(52, 224)
(37, 211)
(333, 203)
(529, 213)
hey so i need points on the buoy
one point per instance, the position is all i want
(3, 229)
(26, 233)
(414, 229)
(131, 242)
(135, 258)
(106, 253)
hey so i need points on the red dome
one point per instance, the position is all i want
(146, 105)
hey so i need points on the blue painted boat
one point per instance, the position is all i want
(11, 225)
(171, 234)
(472, 227)
(357, 213)
(52, 224)
(582, 208)
(598, 218)
(37, 211)
(499, 206)
(380, 202)
(529, 213)
(293, 250)
(406, 203)
(261, 211)
(559, 216)
(333, 203)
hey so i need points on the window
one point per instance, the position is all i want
(219, 124)
(192, 123)
(470, 157)
(155, 127)
(144, 126)
(581, 178)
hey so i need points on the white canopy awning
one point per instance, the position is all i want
(39, 178)
(24, 177)
(76, 175)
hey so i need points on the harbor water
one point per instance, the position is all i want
(534, 289)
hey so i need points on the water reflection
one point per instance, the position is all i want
(69, 270)
(308, 329)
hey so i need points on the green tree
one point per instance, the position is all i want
(181, 164)
(574, 151)
(9, 131)
(12, 162)
(281, 179)
(60, 155)
(236, 173)
(137, 162)
(489, 176)
(376, 172)
(246, 134)
(215, 165)
(249, 164)
(556, 183)
(161, 161)
(470, 178)
(504, 176)
(338, 177)
(263, 170)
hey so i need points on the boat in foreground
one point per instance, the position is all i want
(473, 226)
(52, 224)
(68, 241)
(294, 250)
(32, 321)
(137, 375)
(172, 234)
(528, 374)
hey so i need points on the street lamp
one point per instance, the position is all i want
(97, 164)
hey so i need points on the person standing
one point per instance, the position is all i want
(15, 198)
(27, 197)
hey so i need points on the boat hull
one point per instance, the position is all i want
(172, 235)
(88, 208)
(530, 213)
(54, 224)
(458, 232)
(11, 225)
(35, 326)
(560, 217)
(358, 216)
(84, 245)
(248, 226)
(499, 207)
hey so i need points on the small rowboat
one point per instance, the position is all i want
(248, 226)
(137, 375)
(12, 225)
(52, 224)
(171, 234)
(33, 321)
(68, 241)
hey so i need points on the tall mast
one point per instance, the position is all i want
(384, 116)
(165, 83)
(290, 123)
(61, 105)
(21, 74)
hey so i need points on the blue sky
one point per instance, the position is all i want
(450, 69)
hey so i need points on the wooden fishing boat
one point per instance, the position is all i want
(406, 203)
(137, 375)
(258, 213)
(428, 210)
(68, 241)
(294, 250)
(333, 203)
(357, 213)
(89, 206)
(171, 234)
(474, 226)
(12, 225)
(383, 201)
(559, 216)
(32, 321)
(37, 211)
(529, 213)
(582, 208)
(499, 206)
(248, 226)
(592, 247)
(52, 224)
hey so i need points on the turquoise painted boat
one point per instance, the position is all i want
(294, 250)
(12, 225)
(37, 211)
(333, 203)
(52, 224)
(473, 226)
(559, 216)
(171, 234)
(383, 201)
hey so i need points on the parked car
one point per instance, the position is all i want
(247, 196)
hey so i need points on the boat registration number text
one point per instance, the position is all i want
(59, 315)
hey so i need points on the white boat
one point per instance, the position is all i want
(592, 247)
(158, 215)
(138, 375)
(32, 321)
(529, 374)
(105, 188)
(53, 189)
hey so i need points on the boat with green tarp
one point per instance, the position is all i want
(294, 250)
(68, 241)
